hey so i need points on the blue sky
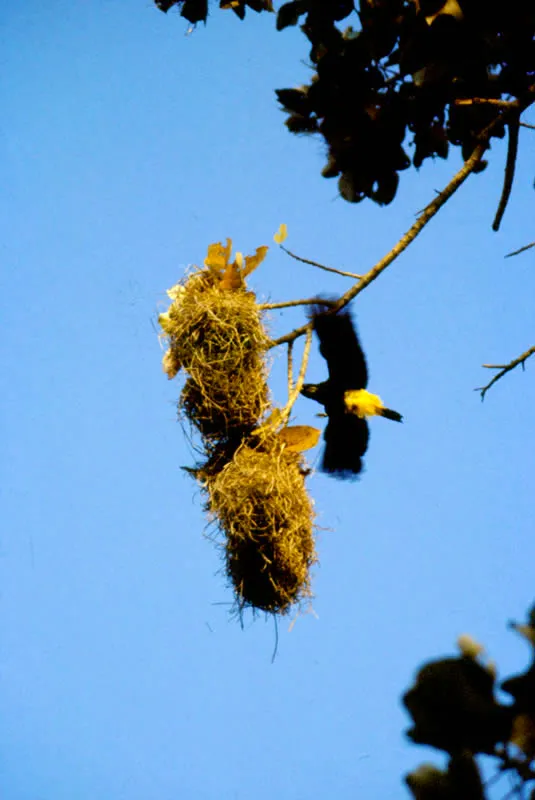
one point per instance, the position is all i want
(127, 147)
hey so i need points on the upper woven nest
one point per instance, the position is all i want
(215, 333)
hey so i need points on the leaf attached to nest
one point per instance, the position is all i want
(218, 256)
(300, 437)
(281, 234)
(235, 273)
(232, 276)
(252, 262)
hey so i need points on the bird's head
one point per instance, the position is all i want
(314, 391)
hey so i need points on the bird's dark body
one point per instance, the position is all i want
(346, 435)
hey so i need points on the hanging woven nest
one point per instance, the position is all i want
(254, 480)
(217, 336)
(263, 509)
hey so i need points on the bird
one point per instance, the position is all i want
(344, 397)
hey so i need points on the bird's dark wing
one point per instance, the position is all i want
(340, 347)
(346, 440)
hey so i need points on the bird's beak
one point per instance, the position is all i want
(309, 390)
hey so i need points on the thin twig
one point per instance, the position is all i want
(527, 125)
(276, 647)
(522, 249)
(290, 369)
(321, 266)
(504, 369)
(294, 394)
(291, 303)
(512, 149)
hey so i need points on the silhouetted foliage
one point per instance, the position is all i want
(403, 72)
(197, 10)
(406, 75)
(460, 780)
(454, 709)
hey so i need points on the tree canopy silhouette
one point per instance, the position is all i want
(405, 81)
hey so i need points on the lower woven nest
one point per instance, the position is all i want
(254, 484)
(262, 506)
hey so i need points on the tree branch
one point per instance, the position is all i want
(521, 250)
(294, 394)
(515, 107)
(512, 149)
(290, 369)
(427, 214)
(279, 418)
(504, 369)
(291, 303)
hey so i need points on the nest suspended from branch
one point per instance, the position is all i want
(217, 336)
(263, 509)
(252, 474)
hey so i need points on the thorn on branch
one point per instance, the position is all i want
(421, 211)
